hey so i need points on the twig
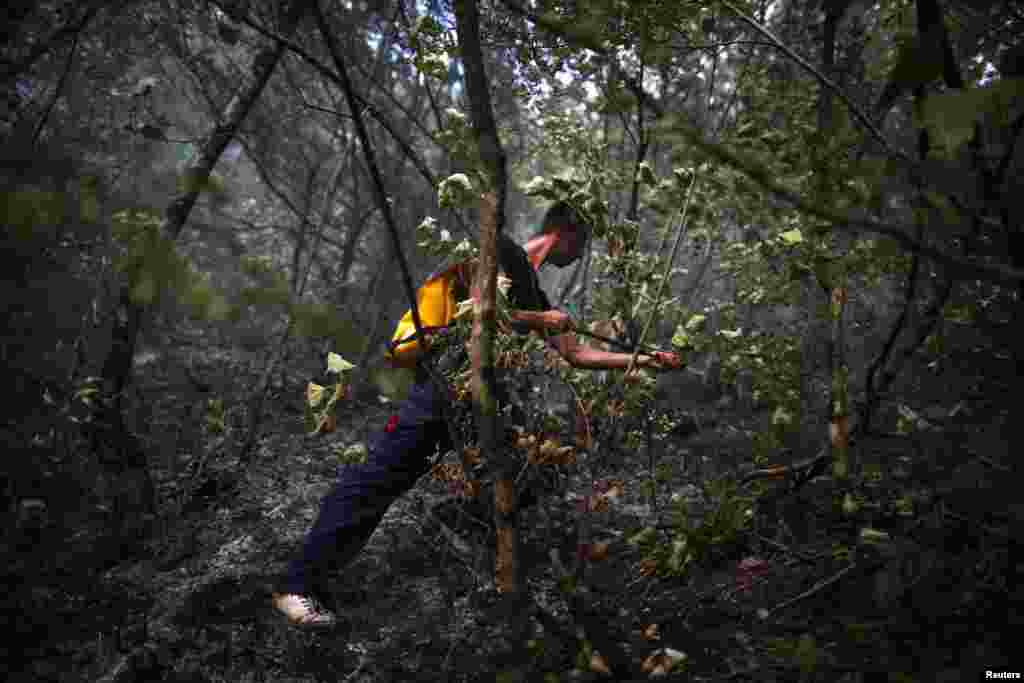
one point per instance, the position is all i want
(813, 590)
(871, 399)
(807, 559)
(363, 661)
(974, 524)
(985, 460)
(462, 549)
(58, 89)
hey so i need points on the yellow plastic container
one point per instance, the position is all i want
(437, 305)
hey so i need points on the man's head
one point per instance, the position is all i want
(573, 233)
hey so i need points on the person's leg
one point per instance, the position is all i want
(351, 511)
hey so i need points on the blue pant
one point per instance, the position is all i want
(363, 493)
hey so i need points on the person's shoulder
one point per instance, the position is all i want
(510, 251)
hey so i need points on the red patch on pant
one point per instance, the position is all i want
(392, 423)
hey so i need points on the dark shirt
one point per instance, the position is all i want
(525, 292)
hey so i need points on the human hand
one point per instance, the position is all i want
(559, 321)
(664, 360)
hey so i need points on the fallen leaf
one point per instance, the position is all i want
(448, 471)
(314, 394)
(598, 664)
(327, 424)
(662, 661)
(749, 570)
(651, 632)
(471, 456)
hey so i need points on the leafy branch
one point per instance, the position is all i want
(824, 80)
(847, 222)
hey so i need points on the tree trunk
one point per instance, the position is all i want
(131, 315)
(492, 220)
(507, 562)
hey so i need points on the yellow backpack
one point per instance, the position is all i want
(437, 301)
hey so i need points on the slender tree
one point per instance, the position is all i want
(130, 314)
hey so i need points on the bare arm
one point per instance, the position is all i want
(587, 357)
(582, 356)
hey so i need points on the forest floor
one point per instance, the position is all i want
(194, 605)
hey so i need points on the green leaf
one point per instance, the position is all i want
(353, 454)
(643, 536)
(681, 555)
(455, 191)
(337, 364)
(850, 505)
(218, 308)
(427, 25)
(806, 654)
(681, 339)
(645, 174)
(189, 181)
(145, 290)
(791, 237)
(537, 186)
(782, 417)
(961, 315)
(695, 322)
(904, 506)
(950, 116)
(873, 536)
(265, 296)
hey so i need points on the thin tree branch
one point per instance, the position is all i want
(871, 389)
(57, 91)
(507, 569)
(383, 201)
(368, 107)
(813, 590)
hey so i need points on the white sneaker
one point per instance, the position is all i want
(304, 610)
